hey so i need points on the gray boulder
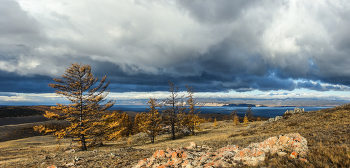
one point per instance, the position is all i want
(292, 112)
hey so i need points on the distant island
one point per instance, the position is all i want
(244, 105)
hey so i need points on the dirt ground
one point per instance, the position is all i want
(43, 151)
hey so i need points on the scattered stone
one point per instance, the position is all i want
(287, 113)
(69, 164)
(274, 119)
(304, 160)
(281, 153)
(229, 156)
(186, 131)
(71, 151)
(113, 155)
(292, 112)
(76, 158)
(53, 166)
(294, 155)
(192, 146)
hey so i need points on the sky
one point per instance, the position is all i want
(260, 49)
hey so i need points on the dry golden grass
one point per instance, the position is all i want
(327, 132)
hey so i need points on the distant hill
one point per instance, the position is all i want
(22, 111)
(244, 105)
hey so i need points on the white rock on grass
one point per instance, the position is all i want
(229, 156)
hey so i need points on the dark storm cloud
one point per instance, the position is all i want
(12, 82)
(16, 26)
(215, 12)
(319, 87)
(14, 20)
(215, 47)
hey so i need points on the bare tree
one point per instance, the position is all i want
(174, 104)
(250, 113)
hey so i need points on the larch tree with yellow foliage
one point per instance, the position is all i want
(138, 119)
(116, 125)
(87, 102)
(215, 123)
(235, 119)
(191, 120)
(245, 120)
(151, 121)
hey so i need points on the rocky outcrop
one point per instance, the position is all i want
(274, 119)
(229, 156)
(292, 112)
(286, 114)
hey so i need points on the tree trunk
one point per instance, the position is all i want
(173, 128)
(82, 138)
(173, 118)
(83, 144)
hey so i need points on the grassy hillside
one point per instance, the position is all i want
(327, 132)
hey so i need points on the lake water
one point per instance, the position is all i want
(258, 111)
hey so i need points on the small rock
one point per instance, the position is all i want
(192, 146)
(70, 151)
(189, 166)
(281, 153)
(302, 159)
(294, 155)
(278, 118)
(70, 164)
(141, 163)
(53, 166)
(76, 158)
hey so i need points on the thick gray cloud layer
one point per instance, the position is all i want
(140, 45)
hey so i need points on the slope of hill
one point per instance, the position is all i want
(327, 132)
(22, 111)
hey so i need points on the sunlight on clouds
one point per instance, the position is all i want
(28, 98)
(52, 98)
(298, 93)
(7, 66)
